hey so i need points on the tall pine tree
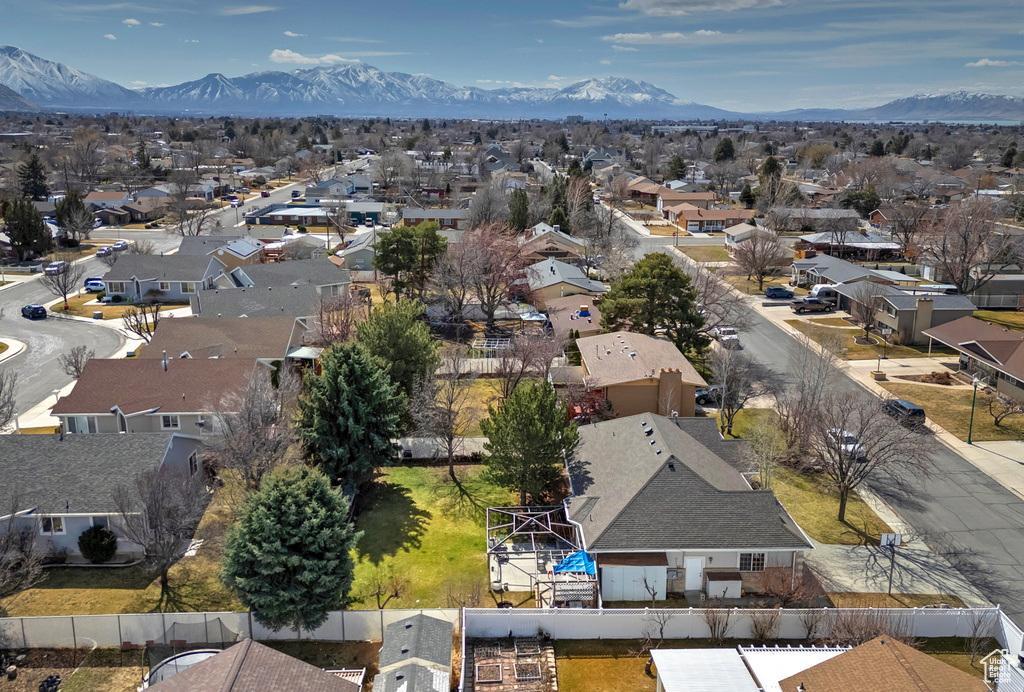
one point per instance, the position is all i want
(518, 211)
(397, 335)
(348, 415)
(32, 179)
(27, 230)
(289, 556)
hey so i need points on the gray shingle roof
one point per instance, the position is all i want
(169, 267)
(903, 300)
(77, 474)
(832, 268)
(293, 301)
(412, 678)
(203, 244)
(417, 637)
(552, 272)
(316, 272)
(626, 496)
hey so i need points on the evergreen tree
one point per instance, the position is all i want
(289, 556)
(725, 151)
(655, 295)
(559, 218)
(575, 169)
(407, 255)
(747, 198)
(518, 211)
(72, 217)
(528, 438)
(142, 154)
(1008, 156)
(877, 148)
(27, 230)
(676, 168)
(348, 415)
(32, 179)
(397, 336)
(426, 125)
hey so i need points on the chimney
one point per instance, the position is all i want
(165, 361)
(923, 320)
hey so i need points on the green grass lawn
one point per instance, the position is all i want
(419, 524)
(951, 409)
(706, 253)
(1010, 319)
(482, 393)
(818, 327)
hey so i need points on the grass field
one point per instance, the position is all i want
(818, 327)
(3, 347)
(951, 409)
(705, 253)
(419, 525)
(742, 284)
(111, 311)
(1009, 319)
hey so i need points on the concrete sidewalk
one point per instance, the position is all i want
(14, 347)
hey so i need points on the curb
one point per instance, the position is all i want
(14, 348)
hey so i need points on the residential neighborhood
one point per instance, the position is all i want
(296, 402)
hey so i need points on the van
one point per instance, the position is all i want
(906, 412)
(825, 292)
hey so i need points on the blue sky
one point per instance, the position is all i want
(734, 54)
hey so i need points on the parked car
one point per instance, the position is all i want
(94, 285)
(33, 311)
(778, 292)
(265, 193)
(728, 336)
(245, 190)
(104, 251)
(120, 246)
(906, 412)
(296, 193)
(811, 305)
(54, 268)
(825, 292)
(712, 394)
(847, 443)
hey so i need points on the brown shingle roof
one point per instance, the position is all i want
(221, 337)
(187, 386)
(608, 360)
(883, 664)
(249, 666)
(997, 346)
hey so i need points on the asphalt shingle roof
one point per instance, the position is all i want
(552, 272)
(191, 246)
(412, 678)
(77, 474)
(315, 272)
(293, 301)
(169, 267)
(627, 496)
(418, 637)
(221, 337)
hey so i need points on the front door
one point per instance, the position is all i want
(694, 573)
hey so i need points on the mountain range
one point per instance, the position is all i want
(358, 89)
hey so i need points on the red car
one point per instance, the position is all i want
(264, 194)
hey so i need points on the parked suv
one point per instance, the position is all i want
(58, 267)
(33, 311)
(778, 292)
(811, 305)
(906, 412)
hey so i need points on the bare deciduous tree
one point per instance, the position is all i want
(767, 449)
(256, 428)
(159, 510)
(8, 388)
(1001, 407)
(606, 242)
(138, 247)
(498, 267)
(441, 404)
(764, 623)
(741, 378)
(488, 207)
(463, 591)
(335, 317)
(852, 627)
(718, 619)
(73, 362)
(852, 438)
(815, 370)
(191, 215)
(905, 222)
(66, 281)
(760, 256)
(21, 559)
(982, 626)
(386, 583)
(782, 586)
(579, 199)
(865, 303)
(453, 278)
(720, 306)
(141, 321)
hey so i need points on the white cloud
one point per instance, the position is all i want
(540, 40)
(131, 22)
(624, 49)
(606, 62)
(156, 23)
(139, 82)
(110, 37)
(706, 32)
(247, 9)
(191, 40)
(665, 37)
(555, 78)
(292, 34)
(985, 62)
(676, 8)
(290, 57)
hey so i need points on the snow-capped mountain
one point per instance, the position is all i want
(50, 83)
(12, 101)
(957, 106)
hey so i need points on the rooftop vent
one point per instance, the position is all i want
(658, 452)
(648, 431)
(652, 443)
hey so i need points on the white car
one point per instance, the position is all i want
(54, 268)
(847, 443)
(728, 336)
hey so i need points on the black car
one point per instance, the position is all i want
(33, 311)
(906, 412)
(709, 395)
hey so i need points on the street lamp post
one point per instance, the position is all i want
(974, 399)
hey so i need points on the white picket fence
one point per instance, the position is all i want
(194, 628)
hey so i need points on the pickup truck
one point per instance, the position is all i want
(811, 305)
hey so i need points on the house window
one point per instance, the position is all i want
(165, 286)
(751, 562)
(99, 521)
(188, 287)
(114, 286)
(1011, 380)
(193, 463)
(170, 423)
(81, 425)
(53, 525)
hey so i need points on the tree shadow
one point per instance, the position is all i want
(392, 523)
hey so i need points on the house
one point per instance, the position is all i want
(906, 314)
(270, 301)
(579, 313)
(359, 253)
(807, 220)
(249, 666)
(668, 197)
(202, 190)
(153, 395)
(661, 506)
(734, 235)
(61, 485)
(543, 242)
(825, 269)
(697, 220)
(319, 273)
(445, 218)
(419, 649)
(993, 353)
(117, 216)
(304, 215)
(252, 338)
(743, 669)
(107, 199)
(883, 664)
(858, 242)
(239, 252)
(145, 209)
(160, 278)
(644, 190)
(554, 279)
(637, 373)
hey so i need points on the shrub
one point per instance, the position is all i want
(116, 299)
(301, 229)
(98, 544)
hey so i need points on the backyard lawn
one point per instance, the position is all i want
(419, 525)
(951, 409)
(77, 306)
(706, 253)
(818, 327)
(482, 393)
(1010, 319)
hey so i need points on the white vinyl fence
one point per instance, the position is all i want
(194, 628)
